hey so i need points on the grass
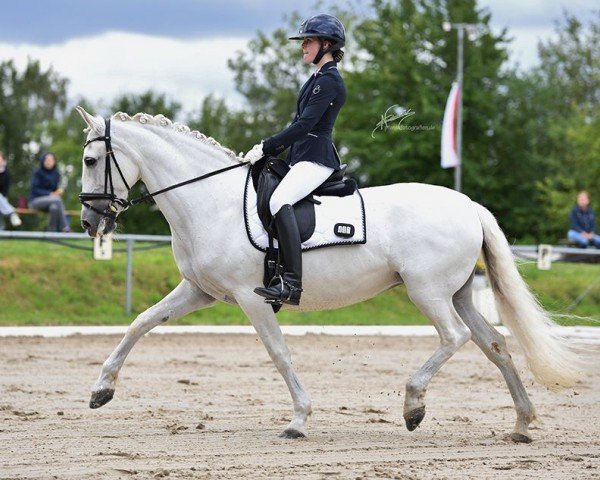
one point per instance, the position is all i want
(44, 283)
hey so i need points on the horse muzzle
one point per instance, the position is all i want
(97, 222)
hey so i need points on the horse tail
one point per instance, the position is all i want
(550, 357)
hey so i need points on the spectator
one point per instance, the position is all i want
(46, 195)
(583, 223)
(6, 209)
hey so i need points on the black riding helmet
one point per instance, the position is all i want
(324, 27)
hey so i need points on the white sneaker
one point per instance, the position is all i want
(15, 220)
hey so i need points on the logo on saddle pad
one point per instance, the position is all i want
(343, 230)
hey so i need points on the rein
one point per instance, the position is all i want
(111, 210)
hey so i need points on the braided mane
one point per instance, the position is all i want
(162, 121)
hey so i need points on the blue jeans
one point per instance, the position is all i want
(581, 241)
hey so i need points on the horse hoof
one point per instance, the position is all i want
(101, 397)
(520, 438)
(414, 418)
(292, 433)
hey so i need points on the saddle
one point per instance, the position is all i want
(266, 175)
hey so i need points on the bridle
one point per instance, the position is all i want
(109, 189)
(114, 203)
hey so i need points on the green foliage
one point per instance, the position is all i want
(405, 59)
(564, 129)
(29, 101)
(149, 102)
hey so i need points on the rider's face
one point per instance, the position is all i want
(310, 48)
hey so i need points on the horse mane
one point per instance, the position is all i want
(161, 121)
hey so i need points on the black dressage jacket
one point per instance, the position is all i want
(309, 135)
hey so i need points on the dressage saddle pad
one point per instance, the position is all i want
(334, 221)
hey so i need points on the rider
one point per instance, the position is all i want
(312, 156)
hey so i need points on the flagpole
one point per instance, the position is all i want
(460, 30)
(459, 79)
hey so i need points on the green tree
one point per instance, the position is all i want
(406, 61)
(150, 102)
(269, 74)
(228, 126)
(567, 83)
(29, 101)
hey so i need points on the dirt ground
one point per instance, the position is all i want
(212, 406)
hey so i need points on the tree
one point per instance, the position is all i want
(567, 81)
(228, 126)
(149, 102)
(269, 76)
(29, 101)
(406, 61)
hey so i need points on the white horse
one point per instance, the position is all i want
(425, 237)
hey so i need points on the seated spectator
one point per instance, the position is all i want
(6, 209)
(46, 195)
(583, 223)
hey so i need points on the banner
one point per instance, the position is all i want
(449, 148)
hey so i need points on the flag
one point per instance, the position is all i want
(449, 148)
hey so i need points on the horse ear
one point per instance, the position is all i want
(95, 123)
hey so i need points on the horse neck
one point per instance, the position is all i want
(166, 160)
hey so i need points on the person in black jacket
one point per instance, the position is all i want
(583, 223)
(312, 155)
(46, 193)
(6, 209)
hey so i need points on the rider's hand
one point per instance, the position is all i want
(255, 154)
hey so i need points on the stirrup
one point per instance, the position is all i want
(293, 291)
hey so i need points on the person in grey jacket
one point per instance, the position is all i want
(312, 156)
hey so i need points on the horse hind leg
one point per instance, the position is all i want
(453, 334)
(185, 298)
(493, 345)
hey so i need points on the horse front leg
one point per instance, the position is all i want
(265, 323)
(185, 298)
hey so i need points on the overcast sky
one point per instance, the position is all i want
(181, 47)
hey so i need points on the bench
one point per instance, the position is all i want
(30, 211)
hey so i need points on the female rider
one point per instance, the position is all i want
(312, 156)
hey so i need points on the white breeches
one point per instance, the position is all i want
(301, 180)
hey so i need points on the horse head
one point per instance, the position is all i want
(105, 182)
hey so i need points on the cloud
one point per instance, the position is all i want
(49, 21)
(535, 14)
(104, 66)
(524, 48)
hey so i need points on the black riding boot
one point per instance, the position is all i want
(287, 290)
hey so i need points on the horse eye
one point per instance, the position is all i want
(90, 161)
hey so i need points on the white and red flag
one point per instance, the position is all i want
(449, 148)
